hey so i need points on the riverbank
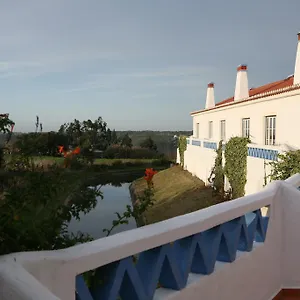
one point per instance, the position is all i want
(176, 192)
(104, 171)
(100, 161)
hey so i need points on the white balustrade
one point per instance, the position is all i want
(257, 274)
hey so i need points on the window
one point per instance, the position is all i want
(270, 135)
(210, 129)
(197, 131)
(246, 127)
(223, 130)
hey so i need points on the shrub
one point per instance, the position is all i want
(161, 162)
(217, 174)
(132, 164)
(117, 151)
(287, 165)
(148, 143)
(235, 168)
(34, 214)
(182, 148)
(117, 162)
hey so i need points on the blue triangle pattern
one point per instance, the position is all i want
(169, 265)
(263, 153)
(196, 143)
(210, 145)
(82, 291)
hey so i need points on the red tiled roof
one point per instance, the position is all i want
(267, 88)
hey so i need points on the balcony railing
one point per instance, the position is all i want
(242, 249)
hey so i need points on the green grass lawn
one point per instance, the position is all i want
(176, 192)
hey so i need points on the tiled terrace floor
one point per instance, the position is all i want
(288, 294)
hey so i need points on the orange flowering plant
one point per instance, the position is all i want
(68, 155)
(140, 206)
(149, 173)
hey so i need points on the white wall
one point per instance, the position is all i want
(286, 106)
(291, 236)
(199, 161)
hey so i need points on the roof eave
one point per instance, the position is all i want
(254, 97)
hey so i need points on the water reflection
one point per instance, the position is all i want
(115, 199)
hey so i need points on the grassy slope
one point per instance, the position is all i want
(177, 192)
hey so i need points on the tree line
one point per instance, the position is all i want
(91, 136)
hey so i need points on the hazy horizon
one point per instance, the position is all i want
(138, 64)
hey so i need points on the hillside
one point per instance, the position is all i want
(176, 192)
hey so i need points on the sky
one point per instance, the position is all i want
(140, 65)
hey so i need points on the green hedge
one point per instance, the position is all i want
(117, 151)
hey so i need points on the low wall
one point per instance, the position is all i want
(199, 159)
(233, 250)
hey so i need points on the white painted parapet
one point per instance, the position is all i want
(227, 251)
(200, 159)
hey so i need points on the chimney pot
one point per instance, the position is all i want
(210, 96)
(242, 68)
(241, 85)
(297, 63)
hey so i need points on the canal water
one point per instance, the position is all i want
(115, 199)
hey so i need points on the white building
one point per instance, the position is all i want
(268, 115)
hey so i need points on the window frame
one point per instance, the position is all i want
(223, 130)
(197, 130)
(210, 129)
(246, 127)
(270, 130)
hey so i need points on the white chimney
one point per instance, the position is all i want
(241, 86)
(297, 64)
(210, 96)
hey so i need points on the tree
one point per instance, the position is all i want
(87, 134)
(6, 127)
(114, 138)
(40, 143)
(149, 144)
(126, 141)
(73, 131)
(37, 123)
(53, 140)
(6, 124)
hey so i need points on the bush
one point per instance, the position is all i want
(235, 168)
(287, 165)
(148, 143)
(117, 162)
(77, 163)
(161, 162)
(117, 151)
(34, 213)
